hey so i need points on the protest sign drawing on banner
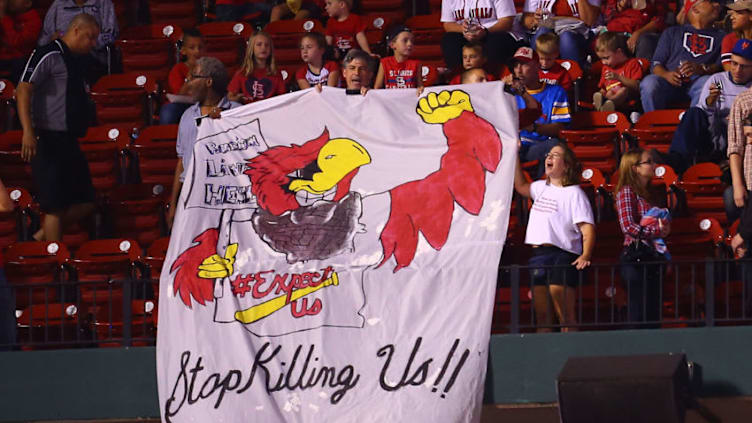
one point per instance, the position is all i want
(286, 231)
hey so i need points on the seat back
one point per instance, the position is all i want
(155, 151)
(14, 170)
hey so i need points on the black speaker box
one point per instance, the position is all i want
(624, 389)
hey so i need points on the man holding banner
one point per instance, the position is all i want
(336, 270)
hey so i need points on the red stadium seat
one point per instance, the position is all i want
(51, 325)
(154, 260)
(286, 36)
(395, 10)
(594, 138)
(155, 152)
(428, 32)
(13, 170)
(137, 210)
(126, 99)
(100, 264)
(226, 41)
(13, 223)
(108, 322)
(176, 12)
(377, 23)
(7, 111)
(35, 270)
(149, 48)
(102, 146)
(429, 74)
(702, 191)
(656, 129)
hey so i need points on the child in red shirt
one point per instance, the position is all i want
(551, 72)
(258, 78)
(191, 49)
(344, 29)
(19, 30)
(399, 71)
(473, 57)
(315, 70)
(621, 75)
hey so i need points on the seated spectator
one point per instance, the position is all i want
(235, 10)
(398, 70)
(562, 232)
(59, 16)
(7, 300)
(702, 132)
(551, 72)
(641, 281)
(685, 57)
(740, 15)
(620, 78)
(208, 86)
(258, 78)
(485, 22)
(473, 57)
(356, 70)
(345, 30)
(297, 9)
(19, 30)
(644, 20)
(571, 20)
(542, 134)
(316, 71)
(191, 49)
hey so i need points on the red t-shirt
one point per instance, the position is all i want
(557, 75)
(632, 69)
(257, 86)
(304, 72)
(400, 75)
(19, 34)
(629, 20)
(727, 45)
(177, 77)
(343, 33)
(458, 79)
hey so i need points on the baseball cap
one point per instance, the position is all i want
(743, 48)
(740, 5)
(525, 55)
(689, 3)
(395, 31)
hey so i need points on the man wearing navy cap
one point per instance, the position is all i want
(703, 128)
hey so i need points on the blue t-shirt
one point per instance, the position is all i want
(686, 43)
(554, 109)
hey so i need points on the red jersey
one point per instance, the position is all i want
(629, 20)
(556, 75)
(727, 45)
(400, 75)
(344, 32)
(259, 85)
(19, 34)
(304, 72)
(177, 77)
(631, 69)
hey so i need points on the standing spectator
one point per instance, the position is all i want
(191, 49)
(551, 72)
(258, 78)
(571, 20)
(344, 29)
(642, 281)
(562, 232)
(685, 57)
(739, 156)
(483, 21)
(7, 300)
(644, 24)
(19, 30)
(208, 85)
(703, 128)
(236, 10)
(398, 70)
(52, 105)
(61, 12)
(315, 70)
(541, 135)
(740, 14)
(620, 77)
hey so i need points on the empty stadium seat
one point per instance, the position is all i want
(101, 265)
(136, 211)
(154, 260)
(154, 151)
(595, 137)
(35, 270)
(654, 130)
(226, 41)
(108, 319)
(377, 24)
(701, 191)
(393, 9)
(286, 36)
(102, 146)
(149, 48)
(176, 12)
(13, 170)
(13, 224)
(126, 99)
(51, 325)
(7, 111)
(428, 32)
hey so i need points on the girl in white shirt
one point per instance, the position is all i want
(560, 229)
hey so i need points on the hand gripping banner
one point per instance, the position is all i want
(334, 258)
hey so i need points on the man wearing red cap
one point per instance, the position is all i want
(543, 134)
(685, 57)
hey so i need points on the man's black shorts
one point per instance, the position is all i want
(61, 172)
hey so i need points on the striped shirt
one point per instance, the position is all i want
(737, 143)
(554, 109)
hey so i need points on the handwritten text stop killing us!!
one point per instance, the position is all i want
(304, 370)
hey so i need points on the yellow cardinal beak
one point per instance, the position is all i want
(336, 159)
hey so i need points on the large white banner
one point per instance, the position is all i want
(334, 258)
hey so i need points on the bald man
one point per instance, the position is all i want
(53, 108)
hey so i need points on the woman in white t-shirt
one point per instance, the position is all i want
(560, 229)
(486, 22)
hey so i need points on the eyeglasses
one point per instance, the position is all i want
(553, 155)
(648, 161)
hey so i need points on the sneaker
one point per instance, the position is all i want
(634, 117)
(608, 106)
(598, 100)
